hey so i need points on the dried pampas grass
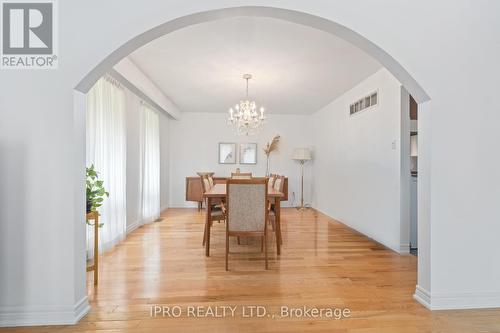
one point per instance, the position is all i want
(272, 145)
(269, 148)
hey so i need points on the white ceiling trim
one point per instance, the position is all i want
(139, 83)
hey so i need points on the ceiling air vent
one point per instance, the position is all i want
(364, 103)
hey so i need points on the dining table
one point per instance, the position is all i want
(218, 191)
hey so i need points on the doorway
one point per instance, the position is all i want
(293, 16)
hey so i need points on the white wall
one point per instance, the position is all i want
(450, 47)
(356, 168)
(194, 147)
(407, 205)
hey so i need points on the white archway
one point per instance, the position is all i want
(257, 11)
(397, 70)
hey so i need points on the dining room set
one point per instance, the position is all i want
(248, 206)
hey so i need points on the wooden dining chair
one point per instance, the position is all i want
(217, 213)
(205, 183)
(241, 175)
(246, 211)
(210, 181)
(272, 179)
(279, 185)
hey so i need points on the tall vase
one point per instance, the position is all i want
(267, 166)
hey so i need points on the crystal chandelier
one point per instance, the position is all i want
(244, 117)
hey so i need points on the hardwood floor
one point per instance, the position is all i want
(323, 264)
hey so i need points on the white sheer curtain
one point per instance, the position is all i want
(106, 149)
(149, 186)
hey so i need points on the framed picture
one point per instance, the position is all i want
(227, 153)
(248, 153)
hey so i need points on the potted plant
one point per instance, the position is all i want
(95, 190)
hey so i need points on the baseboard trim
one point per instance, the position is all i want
(183, 205)
(483, 300)
(81, 309)
(404, 248)
(13, 316)
(394, 248)
(423, 297)
(457, 301)
(132, 227)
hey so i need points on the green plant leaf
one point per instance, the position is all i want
(95, 191)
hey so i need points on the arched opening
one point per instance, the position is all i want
(391, 64)
(316, 22)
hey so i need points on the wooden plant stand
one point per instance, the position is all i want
(95, 267)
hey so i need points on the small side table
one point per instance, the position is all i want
(95, 267)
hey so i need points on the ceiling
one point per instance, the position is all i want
(296, 69)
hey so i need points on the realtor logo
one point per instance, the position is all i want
(28, 34)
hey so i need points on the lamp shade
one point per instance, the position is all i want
(302, 154)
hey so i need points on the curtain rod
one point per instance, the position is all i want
(112, 80)
(116, 81)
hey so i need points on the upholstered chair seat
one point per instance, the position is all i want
(247, 211)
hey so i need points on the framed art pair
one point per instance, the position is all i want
(228, 153)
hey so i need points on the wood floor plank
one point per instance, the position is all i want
(323, 264)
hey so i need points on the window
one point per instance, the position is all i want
(106, 150)
(149, 164)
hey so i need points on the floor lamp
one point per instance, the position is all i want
(302, 155)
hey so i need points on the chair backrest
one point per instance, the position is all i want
(246, 204)
(272, 179)
(279, 183)
(205, 183)
(241, 175)
(210, 181)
